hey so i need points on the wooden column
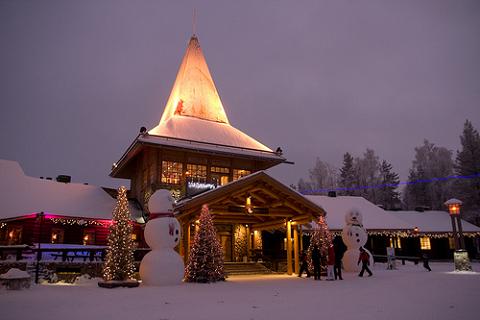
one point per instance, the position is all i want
(295, 249)
(289, 248)
(249, 241)
(181, 244)
(300, 235)
(187, 248)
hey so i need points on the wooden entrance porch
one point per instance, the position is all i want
(242, 209)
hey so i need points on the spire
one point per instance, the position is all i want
(194, 93)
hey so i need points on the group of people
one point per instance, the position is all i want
(334, 263)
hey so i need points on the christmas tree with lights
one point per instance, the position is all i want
(205, 262)
(321, 238)
(119, 263)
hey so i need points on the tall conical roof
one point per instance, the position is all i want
(194, 93)
(194, 110)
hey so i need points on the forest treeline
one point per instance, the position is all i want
(436, 175)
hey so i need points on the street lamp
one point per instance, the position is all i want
(460, 256)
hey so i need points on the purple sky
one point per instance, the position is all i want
(318, 78)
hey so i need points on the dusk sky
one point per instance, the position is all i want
(318, 78)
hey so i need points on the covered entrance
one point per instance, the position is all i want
(244, 211)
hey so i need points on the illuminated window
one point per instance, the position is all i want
(451, 243)
(220, 170)
(171, 172)
(14, 235)
(88, 237)
(425, 243)
(239, 173)
(56, 235)
(396, 243)
(197, 172)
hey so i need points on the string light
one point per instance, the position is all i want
(119, 262)
(321, 238)
(205, 262)
(80, 222)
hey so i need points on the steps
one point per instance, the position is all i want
(245, 268)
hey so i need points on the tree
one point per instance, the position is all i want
(205, 262)
(468, 166)
(321, 238)
(347, 176)
(323, 176)
(119, 263)
(428, 184)
(388, 196)
(367, 173)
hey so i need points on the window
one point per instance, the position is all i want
(171, 172)
(239, 173)
(14, 235)
(220, 170)
(56, 235)
(220, 175)
(88, 237)
(425, 243)
(396, 243)
(197, 172)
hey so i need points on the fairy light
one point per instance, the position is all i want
(321, 238)
(72, 222)
(119, 262)
(205, 262)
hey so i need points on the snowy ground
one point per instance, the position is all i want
(407, 293)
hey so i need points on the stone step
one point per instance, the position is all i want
(246, 269)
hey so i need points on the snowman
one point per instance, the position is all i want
(163, 265)
(354, 236)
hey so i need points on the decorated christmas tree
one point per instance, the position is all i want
(321, 238)
(205, 262)
(119, 263)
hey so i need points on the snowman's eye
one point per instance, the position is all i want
(356, 234)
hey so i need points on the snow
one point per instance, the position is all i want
(407, 293)
(199, 130)
(23, 195)
(15, 273)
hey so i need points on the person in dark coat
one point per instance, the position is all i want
(316, 257)
(304, 266)
(425, 261)
(337, 267)
(364, 258)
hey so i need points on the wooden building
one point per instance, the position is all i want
(196, 153)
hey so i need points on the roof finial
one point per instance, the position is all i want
(194, 22)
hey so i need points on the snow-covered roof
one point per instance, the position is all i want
(432, 221)
(374, 217)
(22, 195)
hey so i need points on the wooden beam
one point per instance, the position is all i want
(276, 224)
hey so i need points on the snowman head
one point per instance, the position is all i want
(354, 237)
(162, 232)
(161, 201)
(354, 217)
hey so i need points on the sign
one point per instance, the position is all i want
(194, 188)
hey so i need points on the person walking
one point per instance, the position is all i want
(425, 261)
(337, 267)
(330, 263)
(316, 256)
(304, 266)
(364, 258)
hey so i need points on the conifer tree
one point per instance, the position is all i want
(468, 165)
(205, 262)
(321, 238)
(347, 176)
(388, 195)
(119, 263)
